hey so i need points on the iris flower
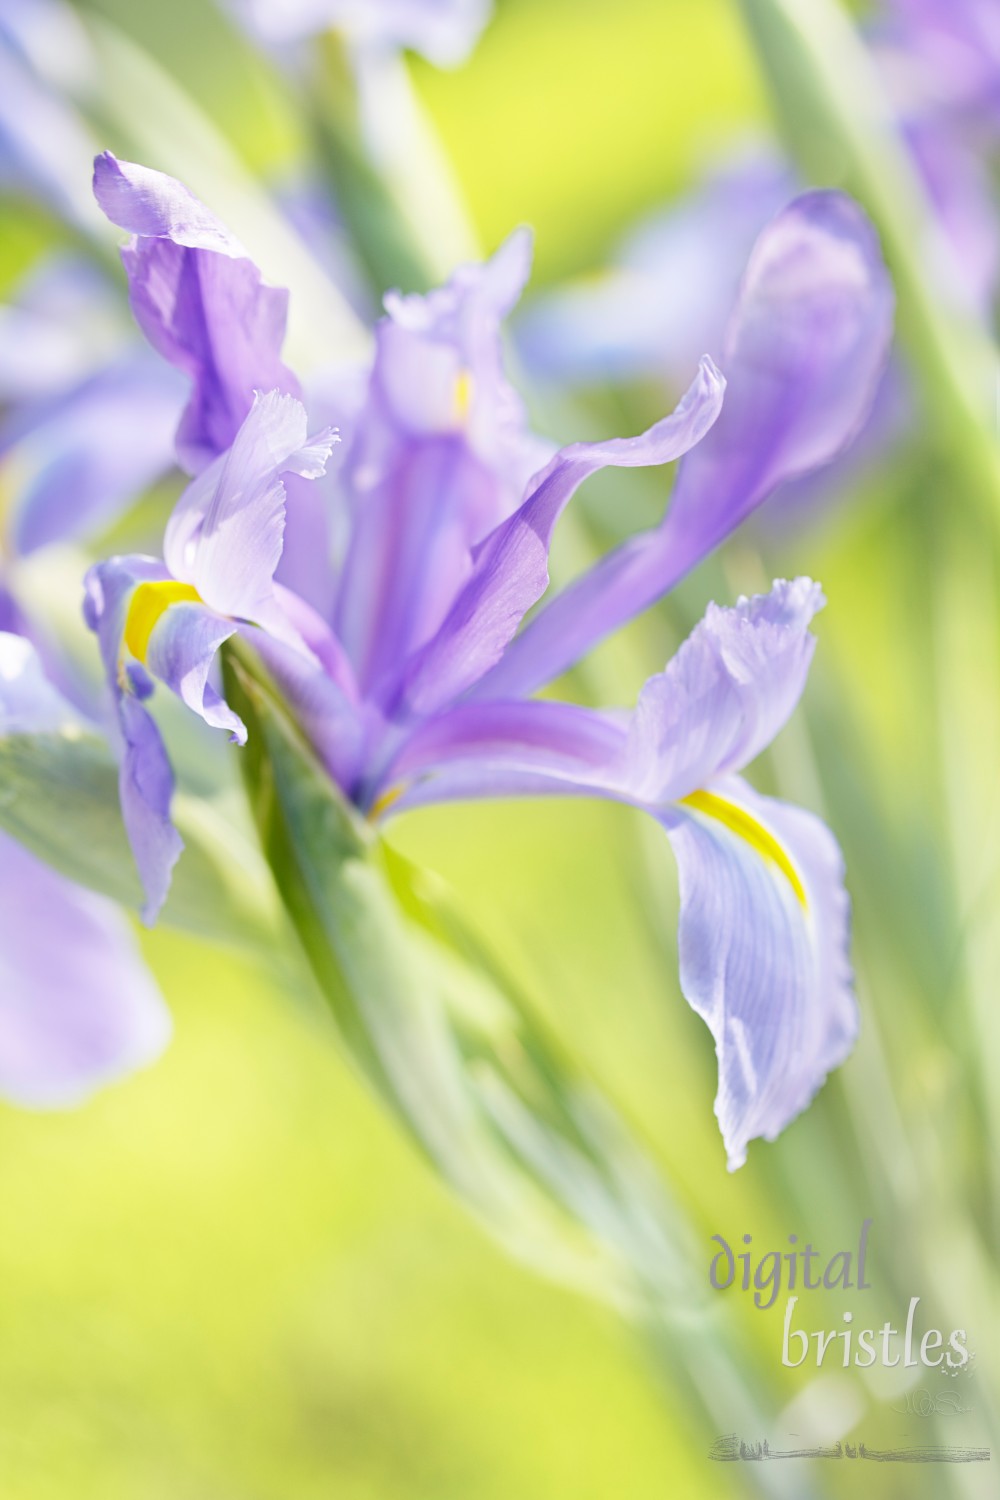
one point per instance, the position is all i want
(417, 686)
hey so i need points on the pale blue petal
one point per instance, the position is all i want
(78, 1008)
(769, 976)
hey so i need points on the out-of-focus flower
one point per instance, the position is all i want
(445, 31)
(77, 1005)
(44, 144)
(416, 688)
(88, 423)
(666, 293)
(666, 299)
(944, 55)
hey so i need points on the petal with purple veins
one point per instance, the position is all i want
(763, 944)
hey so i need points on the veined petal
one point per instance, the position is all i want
(225, 536)
(146, 787)
(78, 1007)
(804, 355)
(132, 599)
(199, 300)
(763, 958)
(181, 652)
(724, 696)
(510, 569)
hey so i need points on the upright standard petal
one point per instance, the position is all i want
(225, 535)
(510, 567)
(439, 456)
(804, 357)
(199, 300)
(78, 1008)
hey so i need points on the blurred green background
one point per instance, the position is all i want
(230, 1276)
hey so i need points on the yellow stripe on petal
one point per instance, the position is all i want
(746, 827)
(149, 603)
(383, 803)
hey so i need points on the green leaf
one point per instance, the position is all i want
(59, 798)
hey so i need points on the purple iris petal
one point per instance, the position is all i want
(666, 300)
(181, 653)
(533, 737)
(223, 544)
(146, 785)
(225, 535)
(725, 695)
(199, 300)
(77, 1006)
(438, 457)
(949, 55)
(322, 703)
(804, 355)
(510, 569)
(86, 456)
(767, 972)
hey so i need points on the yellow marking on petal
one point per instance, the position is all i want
(383, 803)
(149, 603)
(740, 822)
(462, 398)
